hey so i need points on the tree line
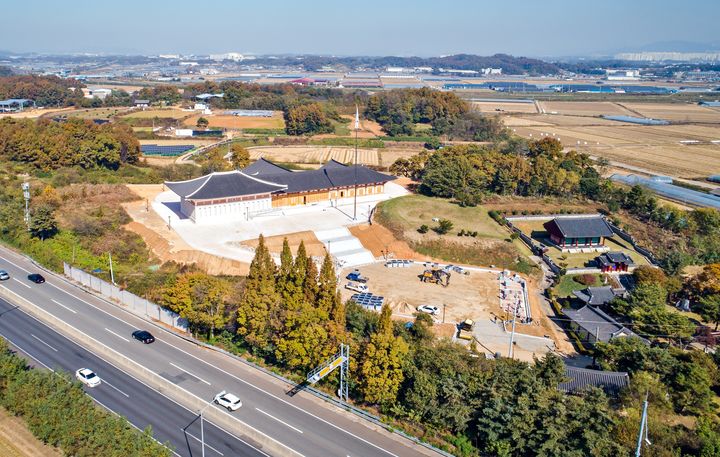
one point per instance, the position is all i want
(398, 111)
(59, 413)
(43, 90)
(46, 144)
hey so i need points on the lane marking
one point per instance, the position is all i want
(219, 369)
(119, 336)
(196, 377)
(198, 440)
(136, 427)
(282, 422)
(90, 304)
(26, 352)
(105, 382)
(148, 386)
(20, 282)
(58, 303)
(43, 342)
(16, 266)
(280, 399)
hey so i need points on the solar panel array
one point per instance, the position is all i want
(368, 300)
(157, 150)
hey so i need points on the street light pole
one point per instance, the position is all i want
(202, 428)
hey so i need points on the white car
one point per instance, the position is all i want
(357, 287)
(432, 310)
(227, 400)
(87, 377)
(4, 276)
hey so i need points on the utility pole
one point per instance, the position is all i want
(357, 126)
(112, 275)
(26, 196)
(444, 306)
(512, 333)
(643, 432)
(202, 428)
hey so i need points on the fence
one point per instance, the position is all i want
(627, 237)
(132, 302)
(536, 249)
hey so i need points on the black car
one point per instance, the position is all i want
(144, 336)
(36, 278)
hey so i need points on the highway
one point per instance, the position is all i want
(300, 425)
(118, 392)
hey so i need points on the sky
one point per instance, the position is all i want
(547, 28)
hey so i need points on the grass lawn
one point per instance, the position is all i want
(95, 113)
(404, 215)
(567, 284)
(412, 211)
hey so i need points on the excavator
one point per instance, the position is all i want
(436, 276)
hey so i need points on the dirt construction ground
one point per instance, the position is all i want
(474, 296)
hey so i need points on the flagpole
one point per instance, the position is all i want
(357, 126)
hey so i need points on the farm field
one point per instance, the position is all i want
(662, 149)
(90, 113)
(677, 112)
(585, 108)
(315, 154)
(160, 113)
(238, 122)
(500, 106)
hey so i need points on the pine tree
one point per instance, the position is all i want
(381, 363)
(259, 305)
(310, 284)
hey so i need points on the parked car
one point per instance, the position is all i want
(357, 287)
(36, 278)
(227, 400)
(356, 276)
(87, 377)
(432, 310)
(4, 276)
(144, 336)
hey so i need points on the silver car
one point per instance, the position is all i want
(4, 276)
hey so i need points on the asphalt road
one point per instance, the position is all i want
(300, 424)
(118, 392)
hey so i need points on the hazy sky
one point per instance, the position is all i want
(345, 27)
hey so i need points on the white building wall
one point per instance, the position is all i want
(241, 211)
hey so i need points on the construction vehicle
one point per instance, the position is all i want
(436, 276)
(465, 329)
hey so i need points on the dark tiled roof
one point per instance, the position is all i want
(222, 185)
(264, 167)
(594, 321)
(619, 257)
(332, 174)
(580, 378)
(580, 227)
(595, 295)
(264, 177)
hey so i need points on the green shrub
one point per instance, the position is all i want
(443, 227)
(423, 229)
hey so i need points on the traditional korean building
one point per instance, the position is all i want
(570, 233)
(264, 186)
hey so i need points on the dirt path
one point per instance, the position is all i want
(17, 441)
(167, 245)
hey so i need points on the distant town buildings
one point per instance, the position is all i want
(234, 56)
(622, 75)
(670, 56)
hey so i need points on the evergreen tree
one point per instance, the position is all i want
(381, 372)
(260, 302)
(42, 222)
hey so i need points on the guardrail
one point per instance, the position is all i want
(359, 412)
(154, 380)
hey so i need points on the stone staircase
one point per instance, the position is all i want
(345, 247)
